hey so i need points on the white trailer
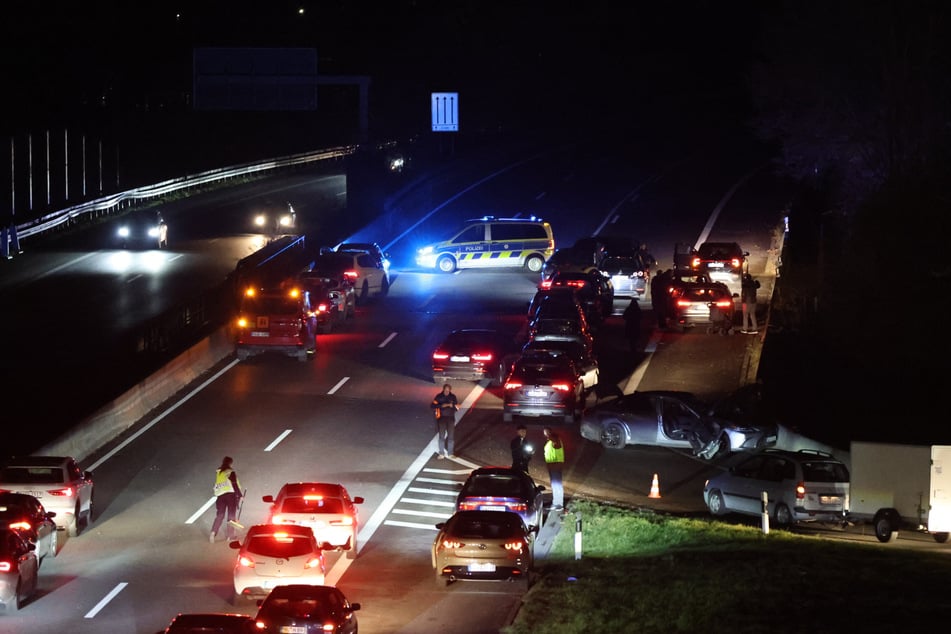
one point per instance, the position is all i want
(901, 486)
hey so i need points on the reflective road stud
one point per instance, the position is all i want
(655, 489)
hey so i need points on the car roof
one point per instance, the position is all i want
(36, 461)
(214, 619)
(302, 591)
(312, 488)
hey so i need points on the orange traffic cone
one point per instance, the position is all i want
(655, 488)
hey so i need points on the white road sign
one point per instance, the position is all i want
(445, 107)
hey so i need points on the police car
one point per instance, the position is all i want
(491, 242)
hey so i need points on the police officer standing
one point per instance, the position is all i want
(555, 461)
(227, 492)
(444, 407)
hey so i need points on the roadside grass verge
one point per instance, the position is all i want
(643, 572)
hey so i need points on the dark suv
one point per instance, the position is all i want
(281, 320)
(718, 259)
(543, 384)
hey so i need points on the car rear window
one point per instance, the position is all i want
(495, 485)
(270, 545)
(304, 505)
(271, 306)
(311, 609)
(824, 471)
(499, 527)
(31, 475)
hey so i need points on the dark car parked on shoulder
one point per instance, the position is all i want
(542, 384)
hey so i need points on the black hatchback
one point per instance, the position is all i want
(307, 609)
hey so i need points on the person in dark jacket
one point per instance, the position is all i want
(444, 408)
(659, 284)
(632, 323)
(748, 297)
(521, 449)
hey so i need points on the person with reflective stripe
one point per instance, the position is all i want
(227, 490)
(555, 460)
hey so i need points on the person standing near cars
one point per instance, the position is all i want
(444, 408)
(521, 450)
(748, 297)
(555, 461)
(659, 298)
(632, 323)
(227, 490)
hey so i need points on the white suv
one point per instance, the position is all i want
(58, 483)
(360, 268)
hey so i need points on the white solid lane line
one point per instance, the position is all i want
(105, 600)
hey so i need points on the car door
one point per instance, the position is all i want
(373, 272)
(673, 423)
(740, 488)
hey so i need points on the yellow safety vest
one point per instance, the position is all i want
(552, 454)
(223, 482)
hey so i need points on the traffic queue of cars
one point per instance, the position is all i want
(39, 496)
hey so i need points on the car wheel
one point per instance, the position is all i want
(74, 528)
(364, 291)
(940, 537)
(17, 602)
(87, 517)
(885, 530)
(783, 516)
(534, 264)
(351, 310)
(446, 264)
(612, 436)
(715, 503)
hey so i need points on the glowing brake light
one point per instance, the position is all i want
(515, 545)
(735, 262)
(242, 322)
(482, 356)
(250, 292)
(512, 385)
(245, 562)
(67, 492)
(5, 566)
(313, 498)
(545, 285)
(801, 491)
(561, 387)
(451, 544)
(343, 521)
(20, 526)
(313, 562)
(695, 263)
(351, 275)
(724, 303)
(440, 356)
(575, 283)
(294, 293)
(683, 303)
(518, 508)
(322, 308)
(468, 506)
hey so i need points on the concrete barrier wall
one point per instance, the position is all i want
(113, 419)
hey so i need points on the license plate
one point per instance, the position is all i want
(258, 333)
(536, 393)
(715, 265)
(481, 567)
(830, 499)
(459, 359)
(492, 508)
(293, 629)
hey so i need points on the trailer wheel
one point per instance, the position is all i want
(940, 537)
(886, 526)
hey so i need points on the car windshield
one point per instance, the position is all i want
(824, 471)
(556, 327)
(280, 545)
(312, 505)
(31, 475)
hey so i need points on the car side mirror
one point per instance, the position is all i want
(354, 606)
(441, 525)
(540, 488)
(50, 514)
(235, 545)
(268, 498)
(358, 500)
(736, 294)
(87, 475)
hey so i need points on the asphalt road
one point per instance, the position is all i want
(358, 413)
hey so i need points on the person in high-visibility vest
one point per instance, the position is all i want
(227, 492)
(555, 460)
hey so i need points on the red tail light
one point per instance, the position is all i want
(515, 545)
(735, 262)
(545, 285)
(20, 526)
(801, 491)
(67, 492)
(5, 566)
(351, 275)
(322, 308)
(695, 263)
(343, 521)
(482, 356)
(330, 627)
(245, 562)
(452, 544)
(468, 506)
(561, 387)
(313, 562)
(575, 283)
(440, 356)
(518, 508)
(724, 303)
(512, 385)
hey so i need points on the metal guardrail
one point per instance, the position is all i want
(114, 201)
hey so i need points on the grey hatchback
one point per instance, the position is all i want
(801, 486)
